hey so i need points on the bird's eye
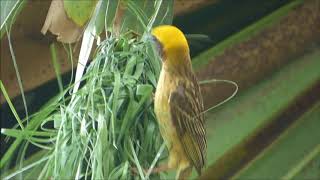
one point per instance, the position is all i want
(158, 46)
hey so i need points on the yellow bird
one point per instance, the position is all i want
(178, 104)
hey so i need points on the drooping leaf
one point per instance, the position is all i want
(59, 24)
(79, 11)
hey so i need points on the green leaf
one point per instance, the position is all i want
(152, 78)
(105, 16)
(96, 124)
(139, 70)
(144, 13)
(56, 65)
(144, 89)
(19, 133)
(130, 66)
(110, 12)
(79, 11)
(35, 121)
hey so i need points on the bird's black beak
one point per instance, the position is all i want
(157, 45)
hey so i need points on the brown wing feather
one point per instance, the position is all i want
(186, 106)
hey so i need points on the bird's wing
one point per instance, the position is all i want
(185, 108)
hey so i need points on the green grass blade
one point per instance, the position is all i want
(13, 110)
(9, 11)
(56, 65)
(13, 57)
(140, 169)
(26, 168)
(18, 133)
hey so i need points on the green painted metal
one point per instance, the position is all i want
(308, 167)
(205, 57)
(311, 170)
(291, 152)
(231, 124)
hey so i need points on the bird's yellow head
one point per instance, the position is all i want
(173, 45)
